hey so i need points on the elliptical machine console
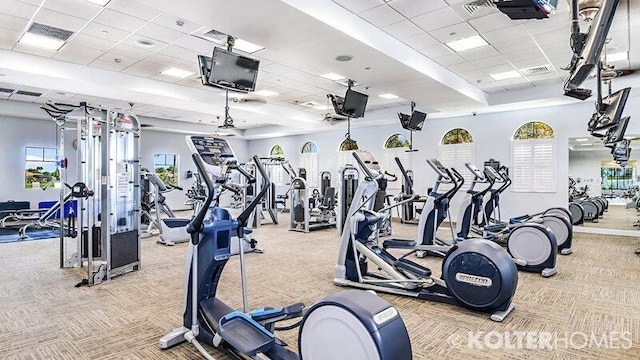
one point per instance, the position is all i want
(350, 324)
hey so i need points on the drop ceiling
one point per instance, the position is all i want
(412, 62)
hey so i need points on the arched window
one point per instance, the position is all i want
(309, 160)
(533, 158)
(346, 148)
(396, 145)
(456, 149)
(276, 150)
(277, 175)
(457, 136)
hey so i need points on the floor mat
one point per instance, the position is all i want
(10, 234)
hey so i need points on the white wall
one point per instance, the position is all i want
(491, 133)
(157, 142)
(17, 133)
(585, 166)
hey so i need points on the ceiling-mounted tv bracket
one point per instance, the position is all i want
(228, 120)
(350, 143)
(413, 107)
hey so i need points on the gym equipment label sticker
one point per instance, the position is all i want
(474, 280)
(385, 315)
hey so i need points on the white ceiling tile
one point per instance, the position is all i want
(521, 44)
(110, 57)
(104, 32)
(543, 77)
(17, 9)
(450, 59)
(91, 42)
(159, 32)
(413, 8)
(177, 52)
(498, 69)
(479, 53)
(165, 60)
(119, 20)
(403, 30)
(78, 54)
(421, 41)
(169, 21)
(190, 65)
(133, 39)
(381, 16)
(166, 78)
(80, 9)
(34, 50)
(518, 86)
(63, 21)
(358, 6)
(24, 98)
(494, 21)
(497, 36)
(438, 19)
(437, 51)
(460, 67)
(459, 31)
(108, 65)
(9, 38)
(489, 62)
(130, 51)
(529, 63)
(471, 74)
(553, 23)
(32, 2)
(196, 44)
(12, 23)
(523, 54)
(144, 69)
(134, 9)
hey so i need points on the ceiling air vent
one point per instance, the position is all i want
(536, 70)
(28, 93)
(6, 91)
(473, 6)
(50, 31)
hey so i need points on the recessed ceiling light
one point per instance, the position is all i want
(145, 43)
(467, 43)
(266, 93)
(586, 144)
(388, 96)
(620, 56)
(41, 41)
(177, 73)
(582, 140)
(506, 75)
(248, 47)
(99, 2)
(344, 58)
(332, 76)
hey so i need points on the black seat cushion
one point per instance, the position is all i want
(398, 244)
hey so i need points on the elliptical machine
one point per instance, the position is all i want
(533, 246)
(557, 219)
(349, 324)
(476, 274)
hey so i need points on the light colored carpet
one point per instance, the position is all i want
(43, 316)
(617, 217)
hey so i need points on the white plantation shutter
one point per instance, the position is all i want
(533, 163)
(389, 165)
(455, 156)
(277, 175)
(344, 158)
(309, 161)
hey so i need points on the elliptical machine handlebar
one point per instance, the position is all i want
(266, 184)
(364, 167)
(407, 179)
(458, 181)
(195, 225)
(506, 179)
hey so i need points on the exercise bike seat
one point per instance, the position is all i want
(398, 244)
(245, 334)
(416, 269)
